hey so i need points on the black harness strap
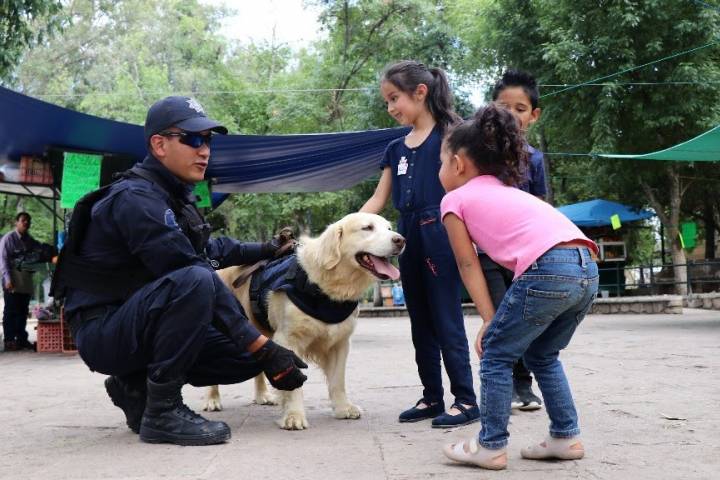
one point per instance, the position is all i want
(294, 281)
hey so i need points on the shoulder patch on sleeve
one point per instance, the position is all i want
(170, 219)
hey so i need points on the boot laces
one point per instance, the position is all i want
(186, 413)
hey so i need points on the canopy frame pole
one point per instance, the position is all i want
(42, 202)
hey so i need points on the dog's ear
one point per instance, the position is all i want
(329, 252)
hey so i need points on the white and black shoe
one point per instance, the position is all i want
(524, 399)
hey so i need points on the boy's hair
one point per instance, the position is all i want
(408, 74)
(518, 78)
(23, 214)
(493, 141)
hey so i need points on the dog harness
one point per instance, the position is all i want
(286, 275)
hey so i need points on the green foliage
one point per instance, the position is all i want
(24, 23)
(259, 216)
(574, 41)
(115, 58)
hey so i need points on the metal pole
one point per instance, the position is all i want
(642, 275)
(55, 232)
(652, 280)
(662, 244)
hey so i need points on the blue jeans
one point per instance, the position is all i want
(536, 319)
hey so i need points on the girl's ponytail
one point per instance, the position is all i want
(440, 100)
(408, 74)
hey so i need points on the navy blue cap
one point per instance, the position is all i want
(184, 113)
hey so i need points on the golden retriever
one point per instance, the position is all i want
(343, 262)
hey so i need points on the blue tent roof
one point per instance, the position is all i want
(597, 213)
(239, 163)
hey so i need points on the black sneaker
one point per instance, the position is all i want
(25, 345)
(524, 399)
(515, 402)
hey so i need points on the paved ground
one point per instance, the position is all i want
(647, 388)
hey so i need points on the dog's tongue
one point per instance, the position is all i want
(383, 267)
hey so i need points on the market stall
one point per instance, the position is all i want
(602, 221)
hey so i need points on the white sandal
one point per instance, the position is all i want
(555, 448)
(477, 455)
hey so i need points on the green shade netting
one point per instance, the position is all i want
(703, 148)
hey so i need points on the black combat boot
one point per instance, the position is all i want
(168, 420)
(128, 394)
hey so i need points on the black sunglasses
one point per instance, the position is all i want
(194, 140)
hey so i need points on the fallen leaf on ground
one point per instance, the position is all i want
(670, 417)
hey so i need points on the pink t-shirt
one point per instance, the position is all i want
(512, 227)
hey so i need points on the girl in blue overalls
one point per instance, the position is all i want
(419, 97)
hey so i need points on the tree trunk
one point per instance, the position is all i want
(710, 227)
(671, 221)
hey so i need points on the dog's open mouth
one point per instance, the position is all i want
(378, 266)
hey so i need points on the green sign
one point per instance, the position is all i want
(81, 175)
(688, 234)
(615, 221)
(202, 190)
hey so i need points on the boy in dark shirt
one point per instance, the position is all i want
(517, 91)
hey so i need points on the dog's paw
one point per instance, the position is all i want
(266, 398)
(293, 420)
(347, 411)
(213, 405)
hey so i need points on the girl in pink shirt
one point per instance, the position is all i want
(555, 282)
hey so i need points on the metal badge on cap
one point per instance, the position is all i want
(195, 105)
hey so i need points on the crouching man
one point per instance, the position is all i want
(141, 295)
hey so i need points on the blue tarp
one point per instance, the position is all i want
(239, 163)
(597, 213)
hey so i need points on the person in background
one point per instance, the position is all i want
(17, 283)
(420, 97)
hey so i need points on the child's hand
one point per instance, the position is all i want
(478, 340)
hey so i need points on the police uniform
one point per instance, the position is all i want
(430, 279)
(182, 322)
(142, 298)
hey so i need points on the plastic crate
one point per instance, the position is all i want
(49, 337)
(68, 344)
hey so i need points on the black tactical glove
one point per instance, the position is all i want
(281, 366)
(281, 244)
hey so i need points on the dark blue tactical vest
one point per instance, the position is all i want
(286, 275)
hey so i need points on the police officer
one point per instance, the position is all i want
(142, 298)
